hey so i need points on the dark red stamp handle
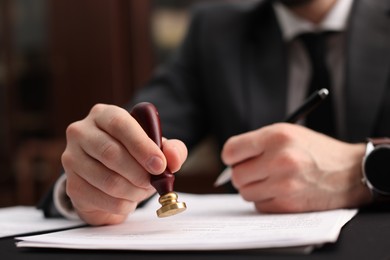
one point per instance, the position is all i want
(147, 116)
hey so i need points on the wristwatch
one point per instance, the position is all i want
(376, 168)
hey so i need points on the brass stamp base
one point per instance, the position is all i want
(169, 205)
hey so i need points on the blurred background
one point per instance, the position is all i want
(60, 57)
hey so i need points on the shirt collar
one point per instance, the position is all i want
(293, 25)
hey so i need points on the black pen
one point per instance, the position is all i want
(313, 101)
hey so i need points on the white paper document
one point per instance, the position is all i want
(22, 220)
(211, 222)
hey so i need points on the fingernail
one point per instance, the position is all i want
(155, 164)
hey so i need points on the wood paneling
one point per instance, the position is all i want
(101, 52)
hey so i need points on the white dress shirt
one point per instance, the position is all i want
(299, 69)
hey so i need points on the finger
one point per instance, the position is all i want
(249, 171)
(176, 153)
(279, 205)
(87, 198)
(242, 147)
(273, 194)
(118, 123)
(257, 192)
(107, 150)
(97, 218)
(104, 179)
(283, 163)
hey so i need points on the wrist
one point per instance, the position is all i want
(359, 193)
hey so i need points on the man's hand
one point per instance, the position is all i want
(108, 161)
(289, 168)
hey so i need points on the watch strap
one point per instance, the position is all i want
(379, 141)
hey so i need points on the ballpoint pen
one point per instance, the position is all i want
(313, 101)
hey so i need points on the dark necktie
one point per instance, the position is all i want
(322, 118)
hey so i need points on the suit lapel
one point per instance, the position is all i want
(265, 70)
(367, 67)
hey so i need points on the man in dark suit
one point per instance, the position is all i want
(241, 69)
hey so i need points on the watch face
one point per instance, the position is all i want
(377, 169)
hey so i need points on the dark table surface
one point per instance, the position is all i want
(366, 236)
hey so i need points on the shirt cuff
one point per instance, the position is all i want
(61, 200)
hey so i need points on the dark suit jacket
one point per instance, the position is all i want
(229, 75)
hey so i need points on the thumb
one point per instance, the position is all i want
(175, 152)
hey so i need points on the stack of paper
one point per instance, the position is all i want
(22, 220)
(211, 222)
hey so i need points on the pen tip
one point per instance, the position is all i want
(323, 93)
